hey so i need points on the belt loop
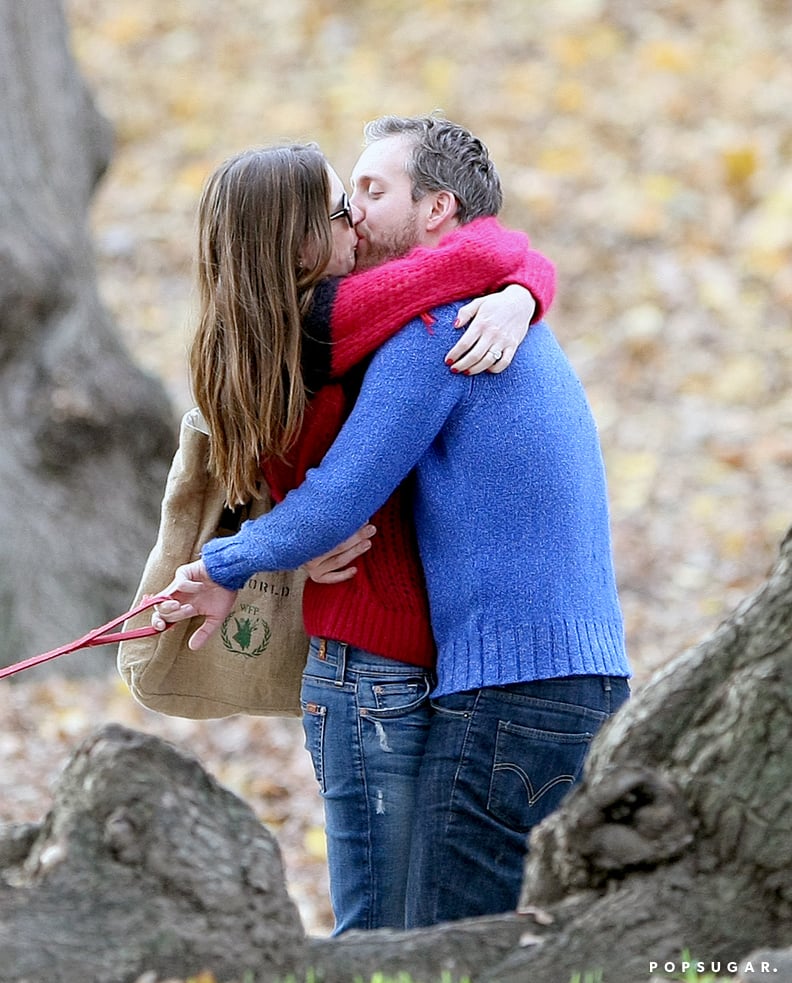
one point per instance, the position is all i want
(341, 664)
(607, 683)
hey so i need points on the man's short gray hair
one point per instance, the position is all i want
(445, 157)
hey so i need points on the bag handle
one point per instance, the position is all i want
(104, 635)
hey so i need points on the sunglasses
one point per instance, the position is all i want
(345, 211)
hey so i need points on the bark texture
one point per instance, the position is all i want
(454, 952)
(86, 436)
(144, 863)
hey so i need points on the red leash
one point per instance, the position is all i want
(104, 635)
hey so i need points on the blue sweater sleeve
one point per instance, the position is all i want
(407, 395)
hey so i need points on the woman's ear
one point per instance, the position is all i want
(308, 254)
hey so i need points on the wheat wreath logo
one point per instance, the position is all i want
(245, 633)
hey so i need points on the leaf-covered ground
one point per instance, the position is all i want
(645, 147)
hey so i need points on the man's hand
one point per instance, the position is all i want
(333, 567)
(497, 325)
(194, 594)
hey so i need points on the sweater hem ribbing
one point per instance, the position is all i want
(527, 653)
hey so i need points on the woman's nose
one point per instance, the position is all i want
(357, 212)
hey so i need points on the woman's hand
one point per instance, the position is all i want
(334, 567)
(497, 325)
(193, 594)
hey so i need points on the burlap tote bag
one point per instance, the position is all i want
(253, 663)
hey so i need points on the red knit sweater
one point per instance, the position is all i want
(384, 608)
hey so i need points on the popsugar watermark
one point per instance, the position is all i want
(715, 966)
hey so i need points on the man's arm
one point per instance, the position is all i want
(386, 434)
(390, 428)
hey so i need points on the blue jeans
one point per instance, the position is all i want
(365, 719)
(497, 761)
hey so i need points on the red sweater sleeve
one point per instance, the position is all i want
(474, 259)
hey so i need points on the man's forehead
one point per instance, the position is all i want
(383, 159)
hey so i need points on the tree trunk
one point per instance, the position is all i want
(144, 864)
(86, 436)
(456, 951)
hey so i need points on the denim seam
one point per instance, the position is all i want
(369, 845)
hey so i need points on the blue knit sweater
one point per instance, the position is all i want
(511, 508)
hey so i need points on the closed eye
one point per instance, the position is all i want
(371, 189)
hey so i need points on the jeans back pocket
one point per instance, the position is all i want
(532, 772)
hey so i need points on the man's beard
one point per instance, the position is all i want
(391, 245)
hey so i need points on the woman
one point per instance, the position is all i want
(273, 226)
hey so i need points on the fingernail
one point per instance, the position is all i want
(448, 361)
(466, 372)
(455, 371)
(456, 323)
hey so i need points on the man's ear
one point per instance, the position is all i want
(444, 207)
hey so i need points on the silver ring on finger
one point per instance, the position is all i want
(496, 354)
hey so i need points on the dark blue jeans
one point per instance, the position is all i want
(365, 719)
(497, 761)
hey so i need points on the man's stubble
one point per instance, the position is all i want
(393, 244)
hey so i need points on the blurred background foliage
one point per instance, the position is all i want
(645, 147)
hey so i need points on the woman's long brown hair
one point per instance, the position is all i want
(257, 213)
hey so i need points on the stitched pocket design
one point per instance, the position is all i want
(532, 771)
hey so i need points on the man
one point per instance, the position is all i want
(512, 523)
